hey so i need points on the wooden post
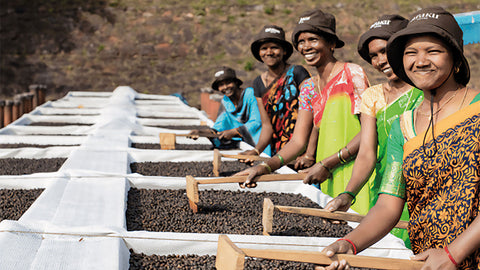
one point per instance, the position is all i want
(167, 141)
(2, 113)
(217, 160)
(16, 109)
(229, 256)
(267, 217)
(8, 116)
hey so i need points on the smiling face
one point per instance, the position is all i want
(316, 50)
(271, 53)
(228, 87)
(377, 50)
(428, 62)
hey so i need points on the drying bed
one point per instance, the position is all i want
(14, 202)
(182, 169)
(223, 212)
(22, 145)
(19, 166)
(178, 146)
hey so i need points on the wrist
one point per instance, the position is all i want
(354, 248)
(351, 195)
(450, 256)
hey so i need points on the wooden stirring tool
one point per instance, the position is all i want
(168, 140)
(269, 207)
(231, 257)
(192, 183)
(217, 159)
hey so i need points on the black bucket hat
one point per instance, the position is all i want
(435, 21)
(383, 28)
(318, 22)
(271, 33)
(225, 73)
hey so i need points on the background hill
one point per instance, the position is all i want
(168, 46)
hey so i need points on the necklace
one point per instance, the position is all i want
(439, 107)
(328, 78)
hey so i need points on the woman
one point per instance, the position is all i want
(433, 151)
(334, 93)
(238, 116)
(381, 104)
(276, 90)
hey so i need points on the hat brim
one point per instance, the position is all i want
(300, 28)
(216, 82)
(396, 47)
(255, 47)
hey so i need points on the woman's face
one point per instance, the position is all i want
(227, 87)
(377, 50)
(427, 62)
(271, 53)
(315, 49)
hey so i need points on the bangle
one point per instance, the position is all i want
(351, 194)
(326, 168)
(309, 158)
(450, 256)
(348, 151)
(256, 151)
(342, 161)
(266, 166)
(282, 161)
(351, 243)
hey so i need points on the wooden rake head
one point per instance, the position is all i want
(192, 193)
(229, 256)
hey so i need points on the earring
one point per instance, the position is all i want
(457, 69)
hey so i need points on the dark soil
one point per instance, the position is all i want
(57, 124)
(223, 212)
(207, 262)
(182, 169)
(157, 146)
(14, 202)
(20, 145)
(19, 166)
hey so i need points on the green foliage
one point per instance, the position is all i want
(269, 10)
(249, 65)
(100, 48)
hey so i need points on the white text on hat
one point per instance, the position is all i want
(425, 16)
(303, 19)
(272, 30)
(219, 73)
(379, 24)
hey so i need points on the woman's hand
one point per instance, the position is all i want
(304, 161)
(228, 134)
(251, 173)
(340, 246)
(195, 133)
(340, 203)
(251, 152)
(435, 259)
(316, 174)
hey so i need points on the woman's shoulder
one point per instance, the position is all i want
(354, 67)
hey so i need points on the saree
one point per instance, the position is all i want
(281, 103)
(245, 117)
(335, 111)
(440, 179)
(374, 104)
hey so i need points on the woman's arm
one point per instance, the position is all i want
(290, 151)
(308, 158)
(318, 173)
(380, 220)
(364, 164)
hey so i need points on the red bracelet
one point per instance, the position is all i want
(351, 243)
(450, 256)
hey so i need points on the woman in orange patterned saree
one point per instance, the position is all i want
(433, 153)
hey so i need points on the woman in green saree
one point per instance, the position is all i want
(381, 105)
(433, 152)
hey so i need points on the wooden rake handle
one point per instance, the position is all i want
(261, 178)
(229, 256)
(251, 157)
(339, 215)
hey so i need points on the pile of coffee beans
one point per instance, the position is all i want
(182, 169)
(14, 202)
(58, 124)
(19, 166)
(223, 212)
(20, 145)
(156, 146)
(205, 262)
